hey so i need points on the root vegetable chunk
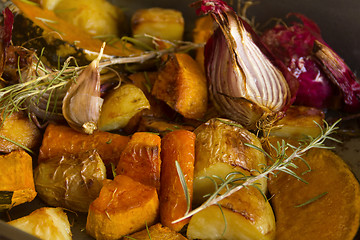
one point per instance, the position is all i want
(124, 206)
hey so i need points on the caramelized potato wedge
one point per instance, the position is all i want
(182, 85)
(219, 150)
(124, 206)
(60, 139)
(16, 178)
(158, 22)
(141, 160)
(120, 106)
(45, 223)
(328, 207)
(20, 129)
(299, 122)
(156, 232)
(247, 214)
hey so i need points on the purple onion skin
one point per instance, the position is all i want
(318, 82)
(5, 36)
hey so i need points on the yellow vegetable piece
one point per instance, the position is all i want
(120, 106)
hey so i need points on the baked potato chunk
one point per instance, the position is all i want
(182, 85)
(120, 106)
(158, 22)
(20, 129)
(45, 223)
(219, 150)
(16, 178)
(70, 181)
(243, 215)
(124, 206)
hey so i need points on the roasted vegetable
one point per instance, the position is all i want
(299, 122)
(96, 17)
(124, 206)
(243, 215)
(177, 147)
(219, 150)
(156, 232)
(182, 85)
(327, 207)
(45, 223)
(70, 181)
(141, 160)
(120, 106)
(60, 139)
(18, 128)
(16, 177)
(158, 22)
(60, 38)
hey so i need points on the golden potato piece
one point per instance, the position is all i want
(328, 207)
(156, 232)
(299, 122)
(219, 150)
(158, 22)
(124, 206)
(16, 178)
(120, 106)
(45, 223)
(18, 128)
(182, 85)
(248, 216)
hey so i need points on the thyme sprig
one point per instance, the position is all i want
(281, 162)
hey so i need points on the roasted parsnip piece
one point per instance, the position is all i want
(243, 215)
(158, 22)
(16, 178)
(120, 106)
(124, 206)
(182, 85)
(45, 223)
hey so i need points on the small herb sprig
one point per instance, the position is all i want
(281, 162)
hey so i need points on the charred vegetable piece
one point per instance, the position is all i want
(124, 206)
(21, 132)
(60, 139)
(182, 85)
(16, 177)
(243, 215)
(120, 106)
(327, 207)
(141, 160)
(156, 232)
(219, 150)
(177, 146)
(45, 223)
(71, 181)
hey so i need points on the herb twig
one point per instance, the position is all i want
(281, 162)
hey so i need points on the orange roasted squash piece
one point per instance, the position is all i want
(16, 179)
(176, 146)
(156, 232)
(124, 206)
(60, 139)
(328, 207)
(141, 160)
(182, 85)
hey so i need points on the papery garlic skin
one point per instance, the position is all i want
(244, 83)
(82, 102)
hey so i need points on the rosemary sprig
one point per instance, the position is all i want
(311, 200)
(281, 163)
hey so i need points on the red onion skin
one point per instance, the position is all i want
(5, 36)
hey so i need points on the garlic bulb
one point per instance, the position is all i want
(82, 102)
(244, 84)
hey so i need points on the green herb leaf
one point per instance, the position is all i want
(311, 200)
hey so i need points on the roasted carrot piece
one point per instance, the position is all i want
(140, 160)
(177, 146)
(61, 139)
